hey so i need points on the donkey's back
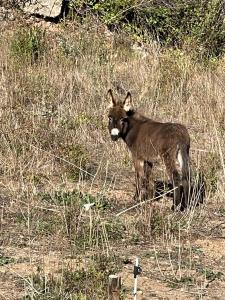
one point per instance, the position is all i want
(148, 139)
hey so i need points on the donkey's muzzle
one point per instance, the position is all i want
(114, 137)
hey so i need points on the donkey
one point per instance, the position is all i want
(147, 140)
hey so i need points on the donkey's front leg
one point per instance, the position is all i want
(143, 173)
(148, 181)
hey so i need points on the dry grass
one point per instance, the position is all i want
(56, 156)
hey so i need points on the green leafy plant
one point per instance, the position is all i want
(28, 44)
(191, 24)
(5, 260)
(212, 275)
(75, 197)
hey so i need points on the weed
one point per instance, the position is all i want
(212, 171)
(197, 251)
(84, 283)
(47, 224)
(43, 223)
(5, 260)
(77, 155)
(85, 229)
(28, 44)
(75, 197)
(183, 281)
(212, 275)
(76, 49)
(135, 238)
(115, 230)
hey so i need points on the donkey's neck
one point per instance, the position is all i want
(134, 123)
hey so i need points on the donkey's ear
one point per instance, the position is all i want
(127, 103)
(111, 97)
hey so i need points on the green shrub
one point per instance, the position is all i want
(78, 156)
(28, 44)
(192, 24)
(68, 198)
(5, 260)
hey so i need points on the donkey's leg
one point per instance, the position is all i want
(177, 191)
(185, 198)
(147, 181)
(183, 158)
(137, 166)
(142, 178)
(137, 185)
(186, 183)
(175, 178)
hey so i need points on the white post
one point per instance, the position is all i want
(135, 280)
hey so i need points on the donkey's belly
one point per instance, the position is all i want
(145, 152)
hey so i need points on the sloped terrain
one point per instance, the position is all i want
(56, 156)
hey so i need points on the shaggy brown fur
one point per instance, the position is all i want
(148, 140)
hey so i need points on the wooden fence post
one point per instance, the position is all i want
(114, 287)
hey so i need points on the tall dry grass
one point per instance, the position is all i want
(54, 139)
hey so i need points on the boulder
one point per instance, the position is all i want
(46, 8)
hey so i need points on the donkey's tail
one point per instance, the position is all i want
(184, 161)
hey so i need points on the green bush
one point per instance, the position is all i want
(112, 12)
(5, 260)
(28, 44)
(194, 24)
(68, 198)
(198, 24)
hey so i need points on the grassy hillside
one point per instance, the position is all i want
(56, 156)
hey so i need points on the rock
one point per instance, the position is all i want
(46, 8)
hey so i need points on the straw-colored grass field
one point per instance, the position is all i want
(56, 155)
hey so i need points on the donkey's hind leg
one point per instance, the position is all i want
(183, 158)
(175, 178)
(177, 190)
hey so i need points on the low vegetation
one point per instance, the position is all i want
(63, 182)
(196, 26)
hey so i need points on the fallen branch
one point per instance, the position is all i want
(143, 202)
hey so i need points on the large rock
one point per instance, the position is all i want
(47, 8)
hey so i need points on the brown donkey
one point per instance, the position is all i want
(147, 140)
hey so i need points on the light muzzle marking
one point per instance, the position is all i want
(115, 131)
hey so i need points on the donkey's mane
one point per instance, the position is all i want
(139, 117)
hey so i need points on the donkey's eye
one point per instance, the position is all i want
(110, 119)
(122, 121)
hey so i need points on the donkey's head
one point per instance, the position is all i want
(119, 111)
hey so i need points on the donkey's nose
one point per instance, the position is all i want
(114, 134)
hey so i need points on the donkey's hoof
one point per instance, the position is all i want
(183, 208)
